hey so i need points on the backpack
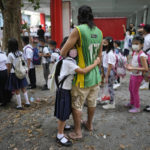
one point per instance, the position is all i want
(146, 74)
(36, 58)
(20, 68)
(120, 69)
(53, 81)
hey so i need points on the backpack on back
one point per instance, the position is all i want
(20, 68)
(36, 57)
(120, 68)
(146, 74)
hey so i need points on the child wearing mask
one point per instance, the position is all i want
(136, 70)
(65, 71)
(109, 61)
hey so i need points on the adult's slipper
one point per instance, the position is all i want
(74, 136)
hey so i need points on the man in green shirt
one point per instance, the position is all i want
(88, 40)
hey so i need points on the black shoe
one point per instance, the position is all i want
(27, 105)
(147, 109)
(31, 87)
(19, 108)
(67, 144)
(68, 128)
(3, 104)
(45, 88)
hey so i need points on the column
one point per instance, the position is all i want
(56, 21)
(66, 18)
(42, 20)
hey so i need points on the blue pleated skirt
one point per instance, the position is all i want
(63, 104)
(15, 84)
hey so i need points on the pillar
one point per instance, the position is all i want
(56, 21)
(66, 8)
(42, 20)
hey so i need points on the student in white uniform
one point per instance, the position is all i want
(5, 95)
(15, 84)
(146, 49)
(45, 54)
(28, 56)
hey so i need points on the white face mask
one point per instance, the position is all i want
(73, 53)
(135, 47)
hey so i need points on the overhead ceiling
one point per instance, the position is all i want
(101, 8)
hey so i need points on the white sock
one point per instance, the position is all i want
(26, 98)
(18, 97)
(63, 140)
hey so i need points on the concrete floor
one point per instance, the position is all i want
(35, 128)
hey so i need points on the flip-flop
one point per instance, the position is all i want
(84, 124)
(73, 136)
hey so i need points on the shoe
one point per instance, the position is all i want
(109, 106)
(19, 108)
(67, 144)
(147, 109)
(44, 89)
(68, 127)
(116, 86)
(134, 110)
(27, 105)
(145, 86)
(128, 105)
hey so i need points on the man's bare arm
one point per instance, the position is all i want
(72, 40)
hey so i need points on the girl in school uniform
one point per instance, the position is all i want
(109, 61)
(65, 71)
(137, 66)
(5, 95)
(15, 84)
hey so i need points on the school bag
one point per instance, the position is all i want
(36, 58)
(146, 74)
(20, 68)
(120, 69)
(53, 81)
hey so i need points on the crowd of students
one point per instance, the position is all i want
(79, 66)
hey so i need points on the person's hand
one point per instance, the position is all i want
(123, 26)
(97, 61)
(129, 67)
(40, 54)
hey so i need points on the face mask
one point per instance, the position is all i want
(73, 53)
(135, 47)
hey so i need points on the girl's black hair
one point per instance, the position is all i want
(117, 42)
(59, 64)
(85, 16)
(110, 43)
(12, 45)
(138, 38)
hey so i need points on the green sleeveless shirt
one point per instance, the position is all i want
(88, 51)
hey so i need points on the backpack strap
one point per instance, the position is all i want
(60, 84)
(139, 60)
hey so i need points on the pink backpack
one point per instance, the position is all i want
(146, 74)
(120, 68)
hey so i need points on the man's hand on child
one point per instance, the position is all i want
(97, 61)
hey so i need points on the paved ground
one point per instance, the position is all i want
(35, 128)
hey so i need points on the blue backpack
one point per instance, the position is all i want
(36, 57)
